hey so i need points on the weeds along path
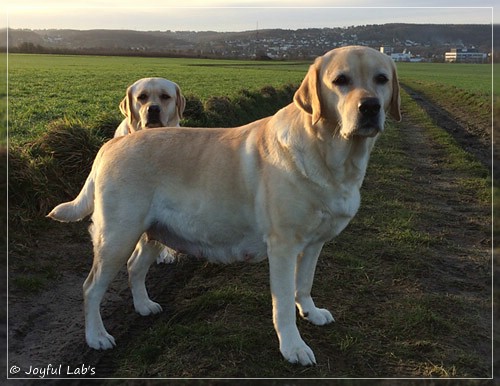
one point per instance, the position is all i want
(445, 287)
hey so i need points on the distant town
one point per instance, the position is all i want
(403, 42)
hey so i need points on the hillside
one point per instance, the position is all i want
(427, 40)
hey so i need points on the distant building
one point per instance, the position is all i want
(396, 56)
(464, 55)
(386, 50)
(401, 56)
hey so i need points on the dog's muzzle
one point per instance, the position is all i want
(154, 119)
(369, 117)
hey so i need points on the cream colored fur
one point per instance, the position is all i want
(139, 98)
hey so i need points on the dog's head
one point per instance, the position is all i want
(153, 102)
(351, 89)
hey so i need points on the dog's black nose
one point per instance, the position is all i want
(369, 107)
(154, 109)
(154, 119)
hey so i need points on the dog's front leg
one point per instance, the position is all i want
(282, 263)
(304, 276)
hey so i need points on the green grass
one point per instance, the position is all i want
(44, 88)
(471, 77)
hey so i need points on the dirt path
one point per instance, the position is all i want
(47, 328)
(457, 213)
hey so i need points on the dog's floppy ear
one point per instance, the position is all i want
(395, 107)
(307, 97)
(180, 102)
(126, 107)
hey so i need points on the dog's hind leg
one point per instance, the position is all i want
(138, 265)
(111, 251)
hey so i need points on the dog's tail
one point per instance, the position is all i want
(80, 207)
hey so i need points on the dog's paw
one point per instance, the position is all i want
(101, 341)
(319, 316)
(299, 353)
(166, 256)
(147, 308)
(162, 259)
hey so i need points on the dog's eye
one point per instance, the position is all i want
(381, 79)
(165, 96)
(341, 80)
(142, 97)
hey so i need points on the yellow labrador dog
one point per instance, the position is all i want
(149, 103)
(278, 188)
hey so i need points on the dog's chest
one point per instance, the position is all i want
(342, 199)
(337, 212)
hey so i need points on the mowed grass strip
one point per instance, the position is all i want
(407, 284)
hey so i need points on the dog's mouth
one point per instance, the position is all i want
(369, 118)
(364, 128)
(153, 124)
(153, 118)
(367, 130)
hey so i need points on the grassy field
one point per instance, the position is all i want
(43, 88)
(408, 281)
(471, 77)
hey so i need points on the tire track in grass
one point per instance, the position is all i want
(470, 137)
(454, 205)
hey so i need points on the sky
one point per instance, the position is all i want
(238, 15)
